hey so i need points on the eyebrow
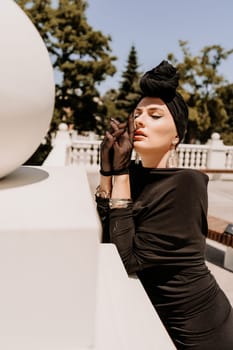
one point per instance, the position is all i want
(151, 108)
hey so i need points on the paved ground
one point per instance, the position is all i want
(220, 194)
(220, 199)
(224, 279)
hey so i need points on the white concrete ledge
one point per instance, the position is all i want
(126, 318)
(49, 238)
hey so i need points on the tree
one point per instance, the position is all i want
(199, 81)
(226, 94)
(109, 101)
(129, 91)
(40, 13)
(80, 56)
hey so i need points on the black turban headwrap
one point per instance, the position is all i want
(162, 81)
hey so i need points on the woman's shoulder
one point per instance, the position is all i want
(188, 173)
(191, 180)
(177, 174)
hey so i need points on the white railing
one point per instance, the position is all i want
(193, 156)
(86, 152)
(229, 158)
(213, 155)
(70, 149)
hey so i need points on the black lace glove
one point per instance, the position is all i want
(106, 147)
(123, 147)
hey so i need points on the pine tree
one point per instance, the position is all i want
(129, 88)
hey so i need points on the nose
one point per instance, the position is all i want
(138, 122)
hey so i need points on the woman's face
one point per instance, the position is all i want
(155, 130)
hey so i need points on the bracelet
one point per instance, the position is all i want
(119, 203)
(105, 173)
(102, 193)
(114, 172)
(120, 172)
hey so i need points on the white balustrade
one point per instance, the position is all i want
(190, 156)
(85, 151)
(212, 155)
(193, 156)
(229, 158)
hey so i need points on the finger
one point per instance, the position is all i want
(131, 128)
(118, 133)
(115, 122)
(108, 140)
(114, 126)
(123, 138)
(122, 125)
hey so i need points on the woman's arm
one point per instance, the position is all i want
(121, 187)
(169, 228)
(103, 191)
(102, 195)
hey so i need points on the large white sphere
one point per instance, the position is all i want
(26, 88)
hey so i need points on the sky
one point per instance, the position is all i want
(155, 28)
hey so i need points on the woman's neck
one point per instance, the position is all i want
(152, 161)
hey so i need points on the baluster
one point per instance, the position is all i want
(192, 158)
(198, 158)
(98, 154)
(74, 155)
(229, 159)
(186, 158)
(91, 154)
(87, 154)
(204, 158)
(68, 159)
(181, 157)
(81, 154)
(95, 155)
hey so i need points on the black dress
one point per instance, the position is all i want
(161, 237)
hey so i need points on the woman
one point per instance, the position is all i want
(156, 214)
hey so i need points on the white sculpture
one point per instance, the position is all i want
(26, 88)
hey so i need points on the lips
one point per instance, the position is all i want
(139, 134)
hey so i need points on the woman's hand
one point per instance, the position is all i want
(123, 146)
(106, 147)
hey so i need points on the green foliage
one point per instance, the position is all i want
(120, 103)
(225, 93)
(80, 56)
(129, 91)
(109, 110)
(199, 82)
(39, 11)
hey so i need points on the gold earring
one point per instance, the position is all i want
(172, 161)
